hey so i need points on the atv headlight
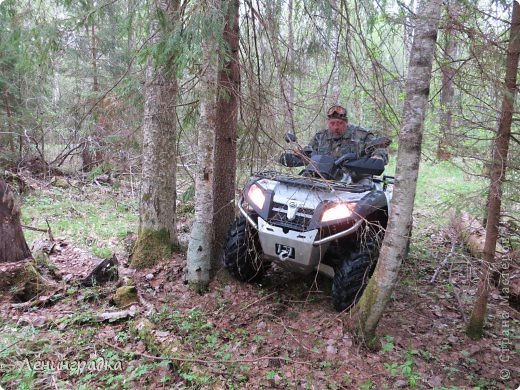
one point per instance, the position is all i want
(256, 195)
(338, 211)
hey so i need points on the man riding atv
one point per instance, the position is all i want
(330, 218)
(338, 139)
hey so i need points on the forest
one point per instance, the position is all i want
(168, 218)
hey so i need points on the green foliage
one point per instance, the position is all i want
(368, 385)
(104, 253)
(180, 38)
(406, 369)
(76, 318)
(391, 368)
(141, 370)
(10, 339)
(98, 171)
(324, 365)
(189, 194)
(442, 186)
(122, 336)
(271, 374)
(408, 372)
(258, 339)
(388, 346)
(198, 378)
(82, 217)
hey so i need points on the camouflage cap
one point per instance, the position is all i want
(337, 112)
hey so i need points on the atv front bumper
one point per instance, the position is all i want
(300, 252)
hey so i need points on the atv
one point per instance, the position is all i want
(320, 220)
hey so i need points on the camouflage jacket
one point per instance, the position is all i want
(355, 140)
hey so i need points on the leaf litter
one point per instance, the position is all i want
(280, 334)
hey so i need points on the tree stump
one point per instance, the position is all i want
(12, 241)
(18, 276)
(21, 281)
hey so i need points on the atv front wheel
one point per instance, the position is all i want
(243, 253)
(351, 276)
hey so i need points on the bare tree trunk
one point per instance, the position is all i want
(201, 245)
(226, 127)
(95, 84)
(408, 31)
(90, 154)
(10, 127)
(446, 139)
(12, 241)
(157, 221)
(379, 289)
(283, 64)
(336, 32)
(288, 77)
(497, 176)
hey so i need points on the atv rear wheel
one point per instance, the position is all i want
(352, 274)
(243, 253)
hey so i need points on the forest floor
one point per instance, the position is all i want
(283, 333)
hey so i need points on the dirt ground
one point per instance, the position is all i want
(282, 334)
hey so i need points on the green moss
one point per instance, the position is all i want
(23, 281)
(475, 329)
(170, 347)
(42, 260)
(125, 295)
(224, 277)
(373, 343)
(60, 183)
(151, 247)
(198, 287)
(362, 311)
(144, 329)
(31, 281)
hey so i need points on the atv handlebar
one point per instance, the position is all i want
(290, 137)
(327, 167)
(347, 156)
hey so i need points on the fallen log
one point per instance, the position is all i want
(473, 234)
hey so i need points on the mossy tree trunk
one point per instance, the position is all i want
(497, 176)
(379, 289)
(12, 241)
(157, 221)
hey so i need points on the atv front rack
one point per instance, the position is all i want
(312, 182)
